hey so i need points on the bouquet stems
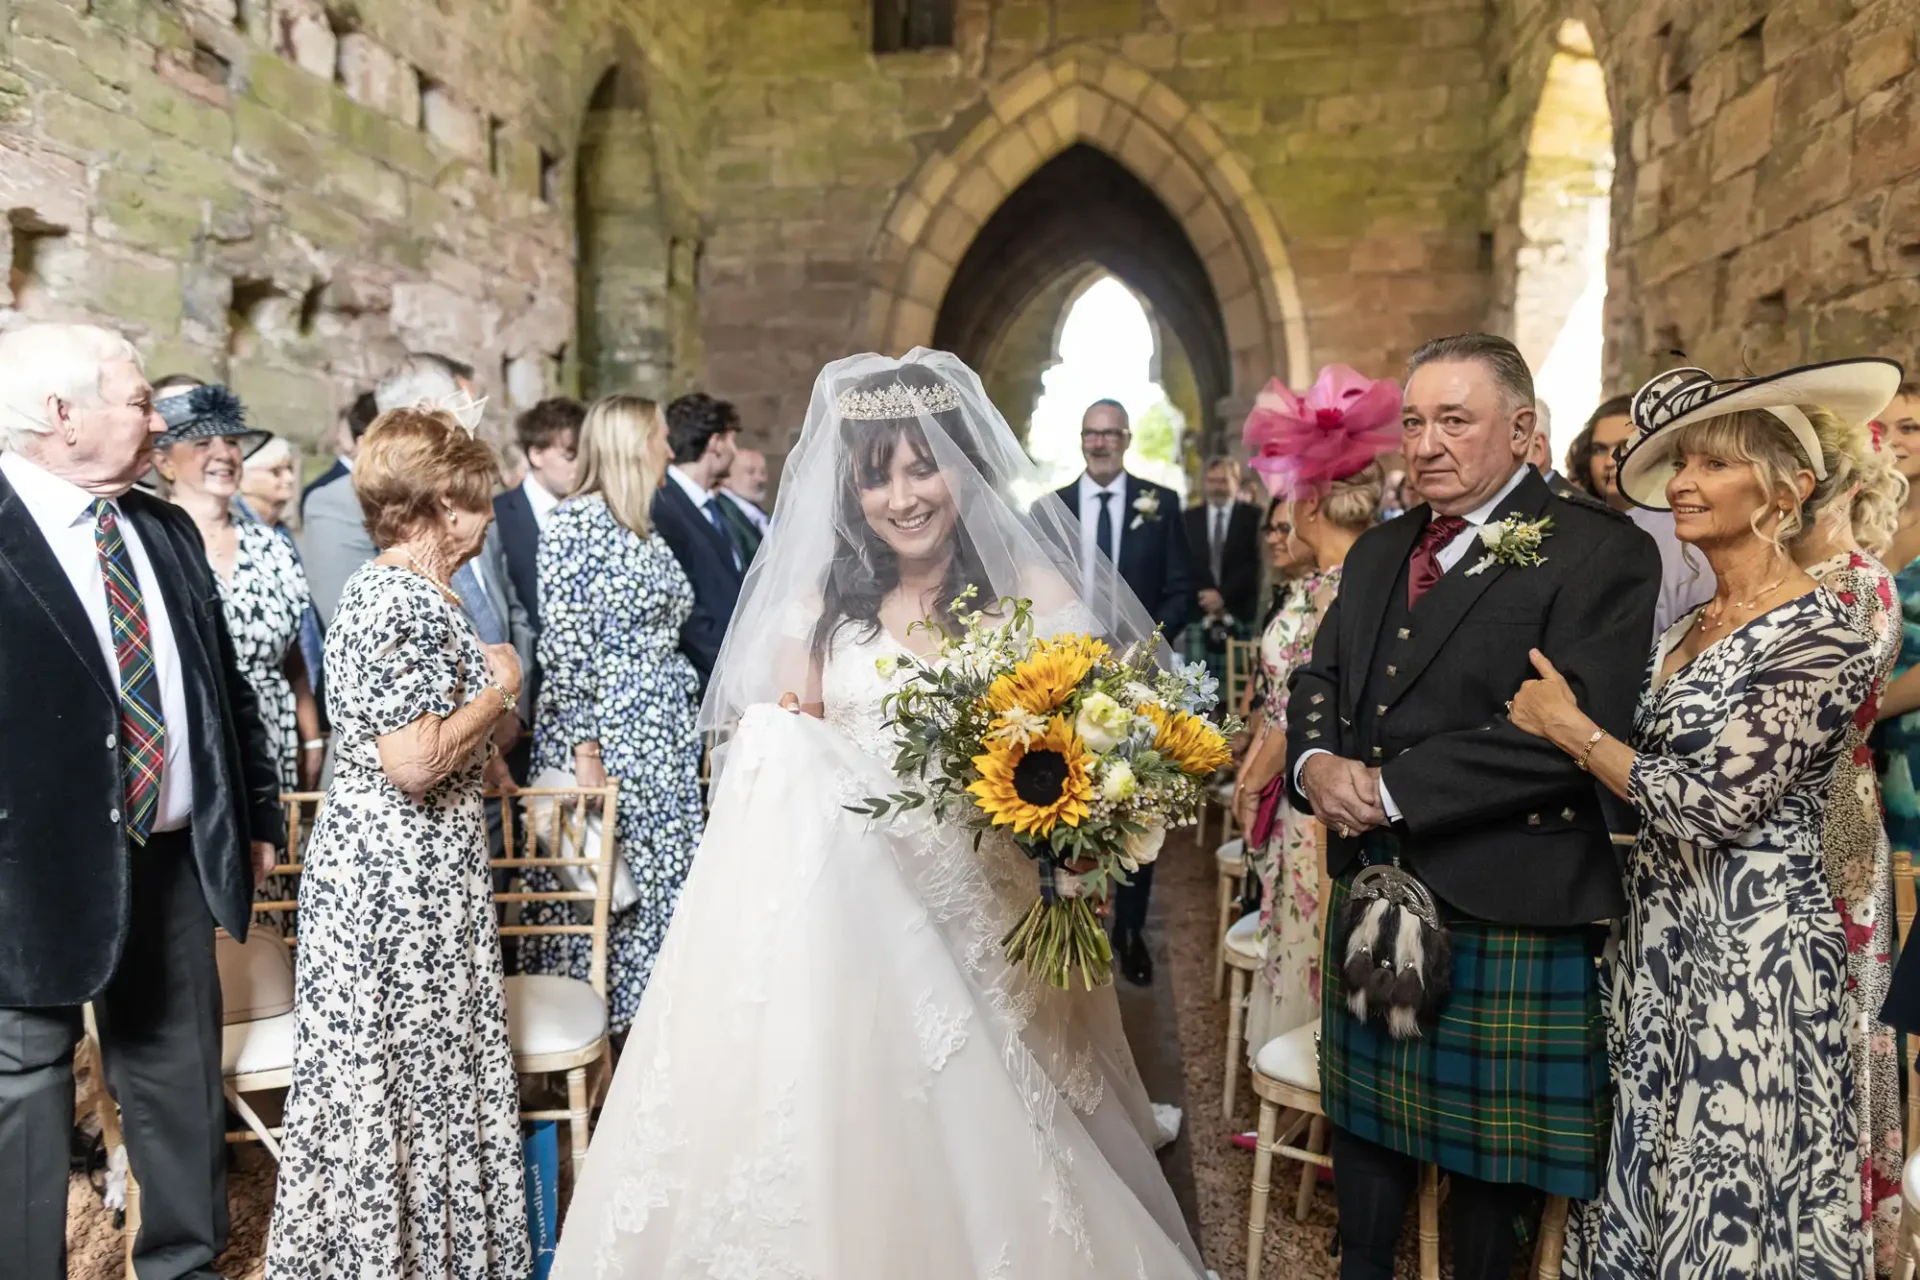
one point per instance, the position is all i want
(1061, 938)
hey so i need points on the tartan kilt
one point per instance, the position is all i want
(1510, 1086)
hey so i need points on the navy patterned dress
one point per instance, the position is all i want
(611, 606)
(1734, 1151)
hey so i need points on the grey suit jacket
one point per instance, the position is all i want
(333, 543)
(506, 604)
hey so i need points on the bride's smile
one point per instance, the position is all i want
(905, 497)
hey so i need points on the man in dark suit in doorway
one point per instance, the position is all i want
(1134, 524)
(1223, 535)
(686, 511)
(139, 806)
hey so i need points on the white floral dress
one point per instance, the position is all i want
(1734, 1150)
(262, 603)
(402, 1149)
(1286, 991)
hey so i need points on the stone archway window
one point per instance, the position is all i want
(900, 26)
(1561, 282)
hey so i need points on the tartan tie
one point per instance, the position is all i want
(143, 734)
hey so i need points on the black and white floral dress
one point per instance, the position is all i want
(1733, 1148)
(611, 607)
(402, 1150)
(263, 602)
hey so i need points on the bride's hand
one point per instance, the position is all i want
(790, 702)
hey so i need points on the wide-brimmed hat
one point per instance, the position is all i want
(1854, 391)
(200, 413)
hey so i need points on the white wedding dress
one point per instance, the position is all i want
(834, 1075)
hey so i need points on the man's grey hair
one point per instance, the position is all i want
(1501, 358)
(417, 380)
(59, 360)
(1112, 404)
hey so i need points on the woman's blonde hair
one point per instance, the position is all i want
(412, 460)
(1352, 502)
(1879, 493)
(615, 461)
(1761, 441)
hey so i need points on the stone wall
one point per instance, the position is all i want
(286, 196)
(1766, 198)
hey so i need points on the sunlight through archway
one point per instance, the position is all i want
(1106, 351)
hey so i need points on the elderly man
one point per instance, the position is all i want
(138, 780)
(745, 511)
(1404, 752)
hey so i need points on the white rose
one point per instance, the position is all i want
(1490, 534)
(1102, 722)
(1117, 781)
(1143, 848)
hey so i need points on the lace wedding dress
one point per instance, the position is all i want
(834, 1075)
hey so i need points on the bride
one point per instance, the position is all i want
(834, 1075)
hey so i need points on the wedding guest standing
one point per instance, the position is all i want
(686, 512)
(1897, 737)
(266, 495)
(620, 696)
(1397, 742)
(137, 782)
(745, 489)
(263, 591)
(1223, 536)
(1735, 1149)
(1837, 547)
(402, 1148)
(1133, 525)
(333, 534)
(1319, 454)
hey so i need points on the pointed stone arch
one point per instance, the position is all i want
(623, 251)
(1084, 95)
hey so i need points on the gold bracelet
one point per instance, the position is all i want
(1587, 752)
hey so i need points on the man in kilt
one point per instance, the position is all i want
(1494, 1067)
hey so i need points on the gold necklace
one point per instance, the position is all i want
(1713, 614)
(443, 588)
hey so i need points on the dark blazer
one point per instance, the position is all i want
(328, 476)
(520, 536)
(706, 555)
(64, 865)
(1503, 826)
(1153, 555)
(1240, 558)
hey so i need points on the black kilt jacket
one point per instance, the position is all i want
(64, 862)
(1503, 826)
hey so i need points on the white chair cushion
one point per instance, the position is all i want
(1910, 1184)
(256, 976)
(1240, 939)
(1232, 853)
(247, 1048)
(549, 1014)
(1293, 1058)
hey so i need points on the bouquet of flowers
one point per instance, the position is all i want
(1089, 756)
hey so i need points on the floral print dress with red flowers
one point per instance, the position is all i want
(1858, 869)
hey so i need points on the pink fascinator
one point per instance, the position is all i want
(1302, 444)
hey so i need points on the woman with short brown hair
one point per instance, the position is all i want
(402, 1147)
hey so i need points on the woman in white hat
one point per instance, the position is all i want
(1735, 1148)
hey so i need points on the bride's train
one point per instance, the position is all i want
(835, 1076)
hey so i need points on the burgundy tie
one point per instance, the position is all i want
(1424, 569)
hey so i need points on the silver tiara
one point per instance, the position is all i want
(896, 400)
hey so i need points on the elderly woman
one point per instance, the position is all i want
(618, 697)
(263, 591)
(402, 1149)
(1734, 1148)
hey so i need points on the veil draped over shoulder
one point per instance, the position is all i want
(1017, 539)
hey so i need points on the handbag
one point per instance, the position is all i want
(1399, 955)
(579, 837)
(1269, 812)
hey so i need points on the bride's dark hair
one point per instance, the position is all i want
(865, 568)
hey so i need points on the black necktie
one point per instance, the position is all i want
(1103, 528)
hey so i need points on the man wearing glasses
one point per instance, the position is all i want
(1134, 525)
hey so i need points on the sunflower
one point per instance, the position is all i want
(1048, 676)
(1038, 785)
(1188, 741)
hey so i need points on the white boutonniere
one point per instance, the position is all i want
(1146, 507)
(1514, 542)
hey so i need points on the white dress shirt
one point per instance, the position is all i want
(748, 508)
(1090, 491)
(64, 513)
(543, 503)
(1219, 518)
(1450, 555)
(700, 498)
